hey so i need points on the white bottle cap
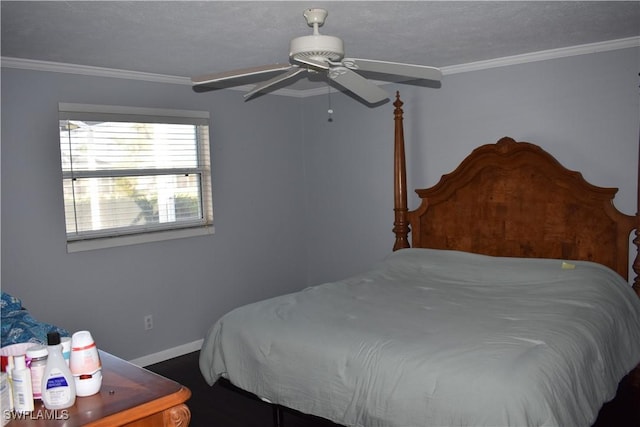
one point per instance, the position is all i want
(36, 351)
(81, 340)
(19, 362)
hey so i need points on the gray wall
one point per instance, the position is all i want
(256, 252)
(583, 110)
(297, 200)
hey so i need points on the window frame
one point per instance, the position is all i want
(115, 237)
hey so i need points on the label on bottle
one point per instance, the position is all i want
(57, 388)
(22, 397)
(37, 372)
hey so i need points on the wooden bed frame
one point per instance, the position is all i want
(514, 199)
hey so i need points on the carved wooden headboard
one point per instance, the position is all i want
(514, 199)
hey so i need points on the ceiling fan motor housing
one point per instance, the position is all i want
(317, 47)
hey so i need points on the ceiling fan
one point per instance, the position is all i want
(319, 53)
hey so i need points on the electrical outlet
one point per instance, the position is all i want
(148, 322)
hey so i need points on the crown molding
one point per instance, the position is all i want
(544, 55)
(87, 70)
(59, 67)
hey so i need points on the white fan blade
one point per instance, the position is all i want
(238, 74)
(357, 84)
(294, 71)
(394, 68)
(312, 63)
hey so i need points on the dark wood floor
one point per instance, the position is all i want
(225, 407)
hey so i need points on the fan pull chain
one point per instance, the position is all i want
(330, 110)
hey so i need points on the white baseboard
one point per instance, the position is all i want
(167, 354)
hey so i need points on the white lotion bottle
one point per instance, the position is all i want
(58, 386)
(22, 391)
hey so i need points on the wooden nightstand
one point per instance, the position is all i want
(129, 396)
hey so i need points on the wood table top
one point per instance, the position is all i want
(128, 393)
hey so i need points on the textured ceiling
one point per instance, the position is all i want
(189, 38)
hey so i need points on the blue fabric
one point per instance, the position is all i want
(18, 326)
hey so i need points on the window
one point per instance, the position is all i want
(132, 175)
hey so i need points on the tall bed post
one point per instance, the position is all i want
(635, 374)
(400, 224)
(636, 241)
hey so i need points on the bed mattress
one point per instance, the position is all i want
(438, 338)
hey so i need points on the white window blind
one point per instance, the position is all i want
(130, 171)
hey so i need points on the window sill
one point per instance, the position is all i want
(134, 239)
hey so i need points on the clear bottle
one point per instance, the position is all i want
(58, 386)
(38, 355)
(22, 392)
